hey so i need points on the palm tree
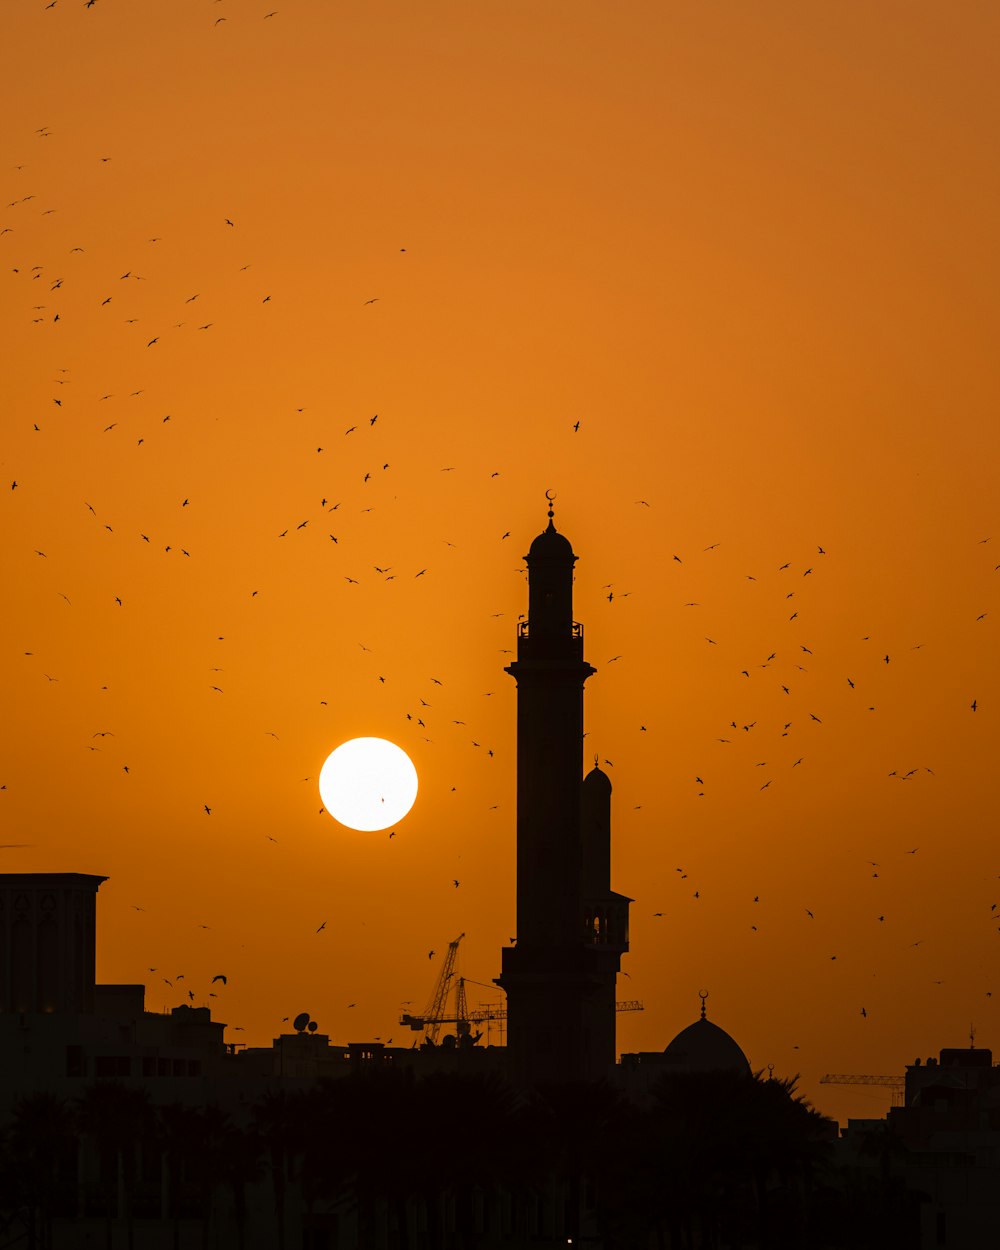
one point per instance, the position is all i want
(240, 1164)
(42, 1145)
(274, 1119)
(581, 1125)
(119, 1118)
(737, 1156)
(177, 1126)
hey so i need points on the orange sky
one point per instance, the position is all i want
(752, 250)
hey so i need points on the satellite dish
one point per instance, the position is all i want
(312, 1026)
(300, 1021)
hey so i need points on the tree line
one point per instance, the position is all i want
(449, 1161)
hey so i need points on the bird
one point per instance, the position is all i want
(322, 927)
(208, 810)
(430, 954)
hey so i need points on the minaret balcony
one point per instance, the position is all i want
(605, 922)
(547, 644)
(523, 631)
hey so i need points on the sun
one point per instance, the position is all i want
(368, 783)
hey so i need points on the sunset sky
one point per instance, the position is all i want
(750, 249)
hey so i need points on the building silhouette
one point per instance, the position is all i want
(47, 927)
(572, 928)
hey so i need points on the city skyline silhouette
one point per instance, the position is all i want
(293, 354)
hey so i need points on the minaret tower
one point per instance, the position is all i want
(571, 928)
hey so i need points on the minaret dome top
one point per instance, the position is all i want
(550, 544)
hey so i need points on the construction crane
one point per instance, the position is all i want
(895, 1083)
(433, 1016)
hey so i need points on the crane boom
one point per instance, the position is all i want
(897, 1082)
(500, 1013)
(434, 1016)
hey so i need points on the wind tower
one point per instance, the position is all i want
(572, 929)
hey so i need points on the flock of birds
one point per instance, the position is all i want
(43, 288)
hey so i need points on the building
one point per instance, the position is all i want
(572, 928)
(47, 925)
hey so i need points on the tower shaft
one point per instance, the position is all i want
(571, 929)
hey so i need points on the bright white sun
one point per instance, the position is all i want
(368, 783)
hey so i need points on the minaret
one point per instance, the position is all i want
(571, 928)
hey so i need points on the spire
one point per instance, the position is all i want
(703, 994)
(550, 495)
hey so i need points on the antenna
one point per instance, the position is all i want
(972, 1037)
(300, 1021)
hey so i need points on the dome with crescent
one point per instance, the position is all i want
(550, 544)
(704, 1047)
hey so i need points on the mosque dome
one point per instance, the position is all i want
(597, 779)
(551, 545)
(704, 1047)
